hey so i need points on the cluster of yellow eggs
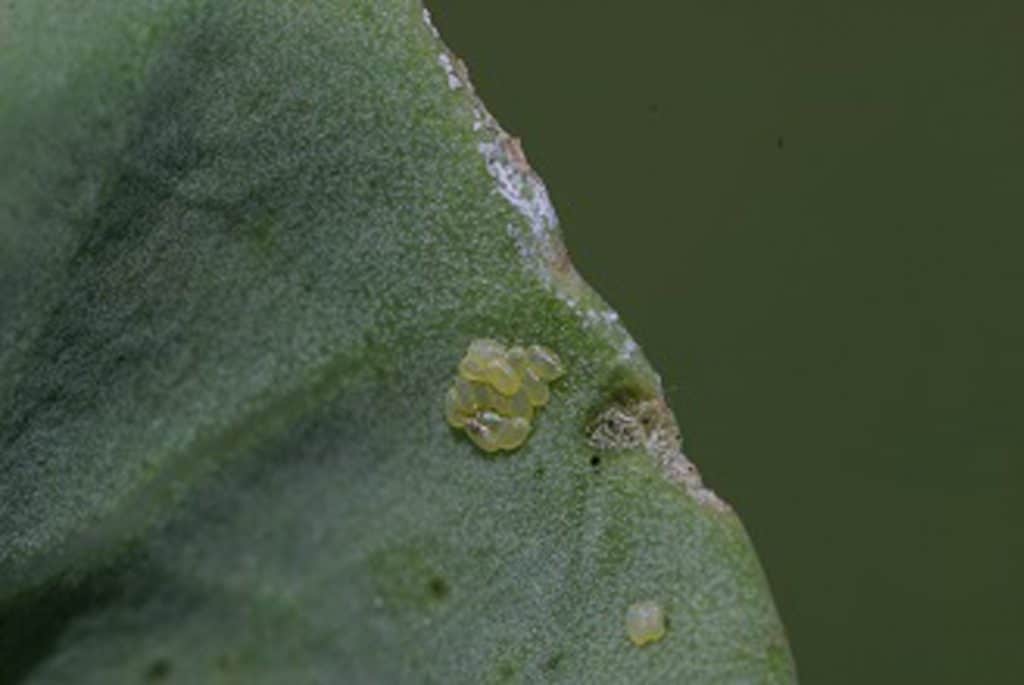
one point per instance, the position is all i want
(497, 389)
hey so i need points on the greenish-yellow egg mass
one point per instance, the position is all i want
(497, 389)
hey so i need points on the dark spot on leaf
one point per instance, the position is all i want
(438, 587)
(595, 461)
(404, 578)
(158, 670)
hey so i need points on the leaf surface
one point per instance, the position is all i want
(243, 246)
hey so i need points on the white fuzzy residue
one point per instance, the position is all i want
(629, 348)
(525, 192)
(430, 24)
(541, 246)
(541, 250)
(454, 82)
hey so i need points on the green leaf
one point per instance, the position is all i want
(243, 246)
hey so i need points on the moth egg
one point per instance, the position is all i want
(536, 390)
(512, 433)
(480, 354)
(502, 376)
(471, 394)
(519, 405)
(645, 622)
(483, 429)
(493, 400)
(517, 358)
(544, 362)
(472, 368)
(453, 409)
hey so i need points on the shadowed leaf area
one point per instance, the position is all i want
(243, 247)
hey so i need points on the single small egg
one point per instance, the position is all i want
(492, 399)
(479, 355)
(645, 622)
(536, 390)
(502, 376)
(471, 368)
(519, 405)
(517, 358)
(512, 433)
(454, 411)
(544, 362)
(469, 395)
(495, 400)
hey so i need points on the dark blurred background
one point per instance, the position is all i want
(811, 216)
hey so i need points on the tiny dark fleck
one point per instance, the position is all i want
(438, 587)
(158, 670)
(539, 472)
(595, 461)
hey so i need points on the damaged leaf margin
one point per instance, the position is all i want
(642, 421)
